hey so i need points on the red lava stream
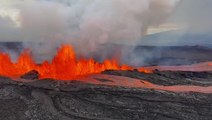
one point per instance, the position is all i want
(206, 66)
(137, 83)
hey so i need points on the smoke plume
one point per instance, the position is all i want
(86, 24)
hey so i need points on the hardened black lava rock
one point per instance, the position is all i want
(74, 100)
(31, 75)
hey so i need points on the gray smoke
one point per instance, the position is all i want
(86, 24)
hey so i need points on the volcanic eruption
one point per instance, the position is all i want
(64, 66)
(81, 30)
(80, 59)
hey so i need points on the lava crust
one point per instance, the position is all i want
(80, 100)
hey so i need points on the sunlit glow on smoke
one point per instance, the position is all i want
(12, 14)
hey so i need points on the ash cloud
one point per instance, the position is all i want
(86, 24)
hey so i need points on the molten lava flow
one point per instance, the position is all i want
(200, 67)
(64, 66)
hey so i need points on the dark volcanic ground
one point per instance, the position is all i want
(60, 100)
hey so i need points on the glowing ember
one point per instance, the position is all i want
(64, 66)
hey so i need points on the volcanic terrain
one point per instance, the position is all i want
(167, 92)
(161, 95)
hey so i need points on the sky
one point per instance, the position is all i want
(195, 14)
(193, 17)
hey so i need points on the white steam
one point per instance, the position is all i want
(86, 24)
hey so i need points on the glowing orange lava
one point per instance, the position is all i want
(64, 66)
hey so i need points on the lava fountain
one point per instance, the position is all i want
(64, 65)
